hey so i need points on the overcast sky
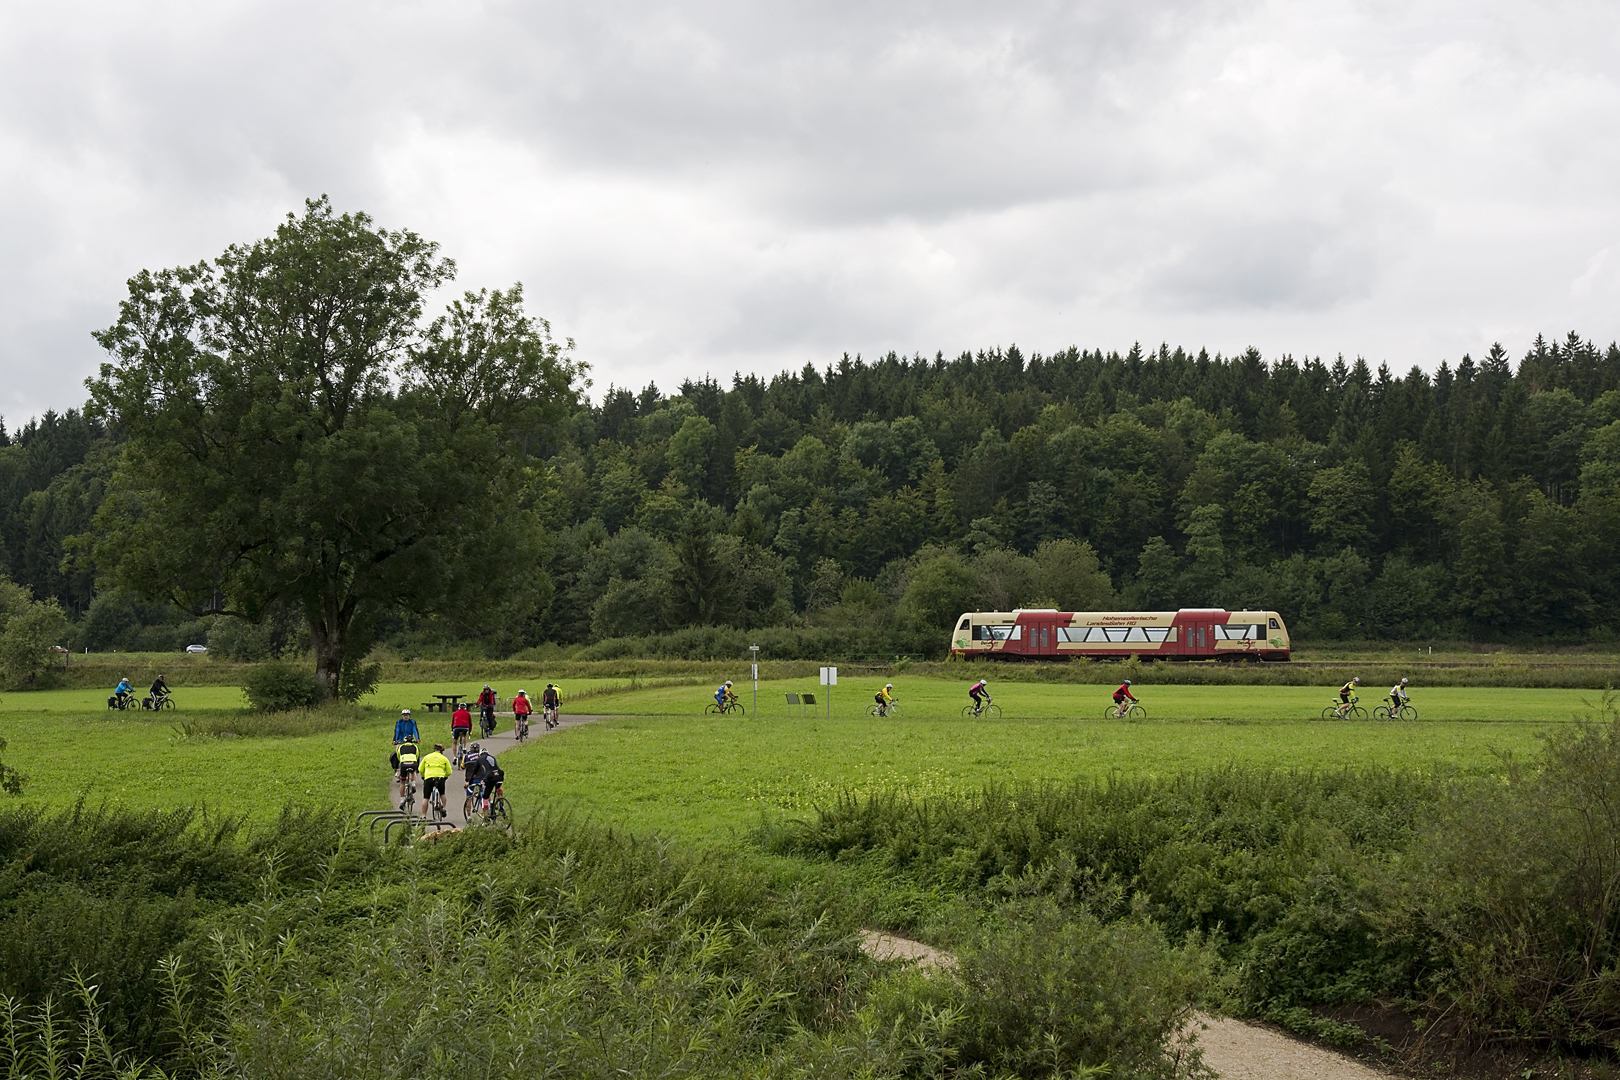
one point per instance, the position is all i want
(704, 188)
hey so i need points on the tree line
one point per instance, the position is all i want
(285, 451)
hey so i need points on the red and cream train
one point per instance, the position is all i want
(1188, 634)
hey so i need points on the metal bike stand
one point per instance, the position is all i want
(391, 816)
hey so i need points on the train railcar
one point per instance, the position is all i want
(1188, 634)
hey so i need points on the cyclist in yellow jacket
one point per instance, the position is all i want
(435, 770)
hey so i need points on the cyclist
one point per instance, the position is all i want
(122, 691)
(159, 691)
(1122, 696)
(462, 717)
(980, 693)
(723, 695)
(406, 755)
(486, 706)
(435, 769)
(1398, 696)
(482, 769)
(884, 698)
(1346, 693)
(405, 728)
(550, 702)
(522, 707)
(460, 728)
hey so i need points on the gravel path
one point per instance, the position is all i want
(1234, 1049)
(497, 744)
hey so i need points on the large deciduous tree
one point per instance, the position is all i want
(297, 435)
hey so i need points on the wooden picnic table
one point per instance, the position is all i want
(446, 702)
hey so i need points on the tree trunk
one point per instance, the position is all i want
(327, 634)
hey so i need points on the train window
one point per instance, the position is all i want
(1136, 633)
(1156, 633)
(1071, 633)
(1275, 625)
(1175, 634)
(983, 632)
(1116, 633)
(965, 624)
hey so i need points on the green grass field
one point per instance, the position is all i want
(661, 764)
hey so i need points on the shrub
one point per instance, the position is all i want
(1516, 889)
(1053, 993)
(279, 685)
(11, 781)
(29, 629)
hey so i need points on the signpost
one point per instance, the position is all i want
(755, 650)
(829, 679)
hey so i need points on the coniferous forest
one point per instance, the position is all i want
(876, 499)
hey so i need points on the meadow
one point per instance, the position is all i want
(660, 764)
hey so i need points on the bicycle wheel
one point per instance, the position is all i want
(500, 812)
(894, 710)
(469, 809)
(1357, 713)
(1136, 713)
(872, 710)
(1381, 713)
(967, 712)
(166, 703)
(1330, 713)
(1408, 713)
(712, 710)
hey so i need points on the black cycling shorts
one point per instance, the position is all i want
(406, 770)
(430, 784)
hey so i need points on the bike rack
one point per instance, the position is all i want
(390, 816)
(409, 821)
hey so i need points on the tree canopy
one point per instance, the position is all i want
(283, 430)
(293, 434)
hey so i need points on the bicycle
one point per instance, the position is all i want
(486, 724)
(500, 810)
(1354, 712)
(1403, 712)
(552, 720)
(891, 710)
(473, 808)
(989, 708)
(460, 747)
(408, 804)
(155, 704)
(121, 702)
(1135, 712)
(436, 803)
(522, 727)
(732, 705)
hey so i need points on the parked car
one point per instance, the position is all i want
(196, 648)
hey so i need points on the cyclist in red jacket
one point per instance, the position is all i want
(1123, 698)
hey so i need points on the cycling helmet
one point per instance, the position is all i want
(888, 686)
(1355, 678)
(525, 693)
(1127, 682)
(439, 746)
(1403, 681)
(728, 682)
(475, 748)
(404, 712)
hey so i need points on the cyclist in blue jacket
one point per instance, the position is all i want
(405, 728)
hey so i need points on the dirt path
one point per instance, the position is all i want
(1234, 1049)
(499, 743)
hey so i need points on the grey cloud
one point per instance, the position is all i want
(741, 185)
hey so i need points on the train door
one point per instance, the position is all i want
(1045, 639)
(1201, 639)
